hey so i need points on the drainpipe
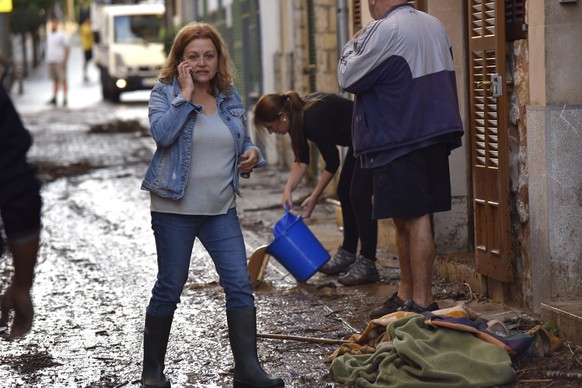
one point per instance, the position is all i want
(342, 20)
(342, 24)
(311, 70)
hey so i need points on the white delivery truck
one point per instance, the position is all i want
(128, 45)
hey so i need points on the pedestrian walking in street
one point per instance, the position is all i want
(199, 125)
(57, 55)
(87, 45)
(20, 210)
(326, 120)
(406, 122)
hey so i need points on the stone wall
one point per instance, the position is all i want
(554, 127)
(518, 90)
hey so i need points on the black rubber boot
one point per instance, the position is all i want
(242, 332)
(155, 342)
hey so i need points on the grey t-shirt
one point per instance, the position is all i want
(209, 189)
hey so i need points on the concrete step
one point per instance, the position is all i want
(568, 317)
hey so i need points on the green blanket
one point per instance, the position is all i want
(418, 356)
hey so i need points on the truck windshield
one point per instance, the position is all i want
(138, 28)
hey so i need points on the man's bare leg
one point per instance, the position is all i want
(55, 91)
(405, 287)
(422, 254)
(416, 253)
(65, 91)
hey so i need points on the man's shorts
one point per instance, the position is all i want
(56, 72)
(413, 185)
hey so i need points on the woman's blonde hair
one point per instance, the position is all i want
(225, 73)
(270, 107)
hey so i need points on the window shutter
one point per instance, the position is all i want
(489, 138)
(515, 26)
(356, 15)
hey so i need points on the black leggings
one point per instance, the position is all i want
(354, 191)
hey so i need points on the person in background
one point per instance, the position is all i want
(406, 122)
(57, 55)
(20, 210)
(326, 120)
(87, 45)
(199, 125)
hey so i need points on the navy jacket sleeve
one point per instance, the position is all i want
(20, 201)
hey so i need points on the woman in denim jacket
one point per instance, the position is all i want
(198, 123)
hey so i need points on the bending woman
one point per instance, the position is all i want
(326, 120)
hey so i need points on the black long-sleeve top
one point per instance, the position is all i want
(328, 124)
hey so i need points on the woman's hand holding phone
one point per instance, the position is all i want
(185, 78)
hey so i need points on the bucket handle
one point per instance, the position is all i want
(288, 222)
(288, 214)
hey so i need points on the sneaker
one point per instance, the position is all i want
(65, 102)
(53, 101)
(363, 271)
(409, 305)
(340, 262)
(392, 304)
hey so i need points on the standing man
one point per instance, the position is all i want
(406, 121)
(57, 55)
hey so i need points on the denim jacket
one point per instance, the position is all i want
(172, 122)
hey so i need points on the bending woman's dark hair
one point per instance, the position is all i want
(270, 107)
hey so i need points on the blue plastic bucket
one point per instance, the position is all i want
(297, 248)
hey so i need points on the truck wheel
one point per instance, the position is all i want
(105, 92)
(114, 95)
(105, 82)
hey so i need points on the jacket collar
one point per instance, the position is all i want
(395, 8)
(176, 90)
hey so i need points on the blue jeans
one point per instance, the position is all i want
(222, 237)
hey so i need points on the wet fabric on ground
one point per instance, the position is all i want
(515, 344)
(418, 355)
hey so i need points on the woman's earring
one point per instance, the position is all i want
(284, 118)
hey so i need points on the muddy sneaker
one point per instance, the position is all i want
(409, 305)
(340, 262)
(363, 271)
(392, 304)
